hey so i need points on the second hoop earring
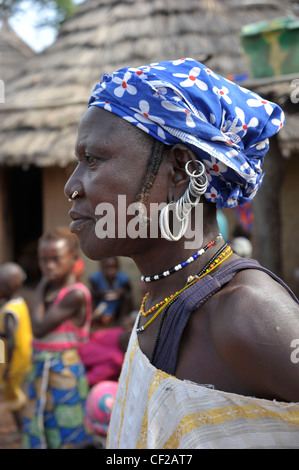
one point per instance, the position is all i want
(191, 197)
(196, 188)
(198, 181)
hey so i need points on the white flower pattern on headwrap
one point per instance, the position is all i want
(191, 79)
(124, 86)
(227, 126)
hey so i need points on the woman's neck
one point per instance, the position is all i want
(169, 255)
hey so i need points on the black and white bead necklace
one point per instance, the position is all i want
(183, 264)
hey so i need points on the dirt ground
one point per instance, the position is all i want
(7, 429)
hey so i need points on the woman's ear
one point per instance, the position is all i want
(179, 155)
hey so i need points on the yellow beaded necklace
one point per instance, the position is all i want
(208, 268)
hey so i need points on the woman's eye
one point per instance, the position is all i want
(90, 160)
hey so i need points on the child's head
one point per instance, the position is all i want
(12, 277)
(57, 253)
(110, 267)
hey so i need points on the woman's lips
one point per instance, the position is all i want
(79, 221)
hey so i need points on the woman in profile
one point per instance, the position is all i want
(209, 360)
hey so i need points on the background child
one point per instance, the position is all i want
(112, 322)
(111, 292)
(61, 319)
(16, 333)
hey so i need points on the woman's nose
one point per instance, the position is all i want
(73, 186)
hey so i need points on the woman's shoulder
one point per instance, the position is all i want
(253, 324)
(254, 303)
(255, 289)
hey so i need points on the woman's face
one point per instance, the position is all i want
(110, 168)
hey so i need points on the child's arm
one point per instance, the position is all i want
(96, 293)
(73, 306)
(9, 331)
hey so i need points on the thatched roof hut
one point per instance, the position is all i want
(49, 94)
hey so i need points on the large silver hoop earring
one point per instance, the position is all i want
(191, 197)
(164, 225)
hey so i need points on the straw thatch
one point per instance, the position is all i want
(46, 99)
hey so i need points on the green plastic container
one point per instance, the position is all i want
(272, 47)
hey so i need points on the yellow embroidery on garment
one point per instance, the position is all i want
(156, 381)
(222, 415)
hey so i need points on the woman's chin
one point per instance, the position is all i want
(95, 248)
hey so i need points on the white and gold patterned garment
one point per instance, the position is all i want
(154, 410)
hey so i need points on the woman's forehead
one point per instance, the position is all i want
(97, 121)
(101, 131)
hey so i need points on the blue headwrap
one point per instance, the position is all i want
(227, 126)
